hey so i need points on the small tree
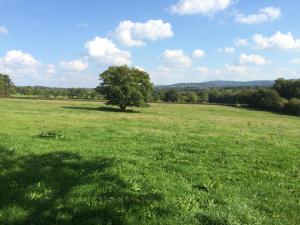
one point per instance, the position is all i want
(203, 96)
(191, 98)
(172, 95)
(266, 99)
(293, 107)
(124, 86)
(6, 85)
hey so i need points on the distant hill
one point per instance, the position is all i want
(221, 84)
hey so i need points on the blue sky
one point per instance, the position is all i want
(68, 43)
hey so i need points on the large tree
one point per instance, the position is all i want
(287, 88)
(124, 86)
(6, 85)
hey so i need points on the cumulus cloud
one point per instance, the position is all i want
(206, 7)
(199, 53)
(278, 40)
(50, 69)
(252, 59)
(135, 34)
(18, 58)
(176, 59)
(75, 65)
(3, 30)
(19, 65)
(267, 14)
(105, 52)
(240, 42)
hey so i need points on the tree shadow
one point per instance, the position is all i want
(101, 108)
(63, 188)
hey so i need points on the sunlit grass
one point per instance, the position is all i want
(167, 164)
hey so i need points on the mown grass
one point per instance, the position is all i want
(167, 164)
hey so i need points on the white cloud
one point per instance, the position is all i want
(278, 40)
(203, 70)
(75, 65)
(50, 69)
(135, 34)
(3, 30)
(199, 53)
(176, 59)
(252, 59)
(19, 65)
(268, 14)
(227, 50)
(240, 42)
(204, 7)
(105, 52)
(17, 58)
(295, 61)
(236, 69)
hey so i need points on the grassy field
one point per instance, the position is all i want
(167, 164)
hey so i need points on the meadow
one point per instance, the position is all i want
(164, 164)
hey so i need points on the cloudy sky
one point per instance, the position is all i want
(68, 43)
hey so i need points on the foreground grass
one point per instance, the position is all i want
(168, 164)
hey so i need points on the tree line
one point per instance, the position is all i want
(124, 86)
(283, 96)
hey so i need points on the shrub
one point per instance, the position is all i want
(52, 134)
(172, 96)
(191, 98)
(293, 107)
(266, 99)
(203, 96)
(287, 88)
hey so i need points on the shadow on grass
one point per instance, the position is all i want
(102, 108)
(63, 188)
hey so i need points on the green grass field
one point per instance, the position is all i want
(166, 164)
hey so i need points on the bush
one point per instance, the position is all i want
(191, 98)
(293, 107)
(172, 96)
(266, 99)
(203, 96)
(52, 134)
(287, 88)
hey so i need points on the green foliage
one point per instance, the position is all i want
(203, 96)
(293, 106)
(171, 164)
(52, 134)
(191, 98)
(287, 88)
(49, 92)
(124, 87)
(266, 99)
(157, 95)
(6, 86)
(172, 95)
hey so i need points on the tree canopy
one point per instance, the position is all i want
(124, 86)
(6, 85)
